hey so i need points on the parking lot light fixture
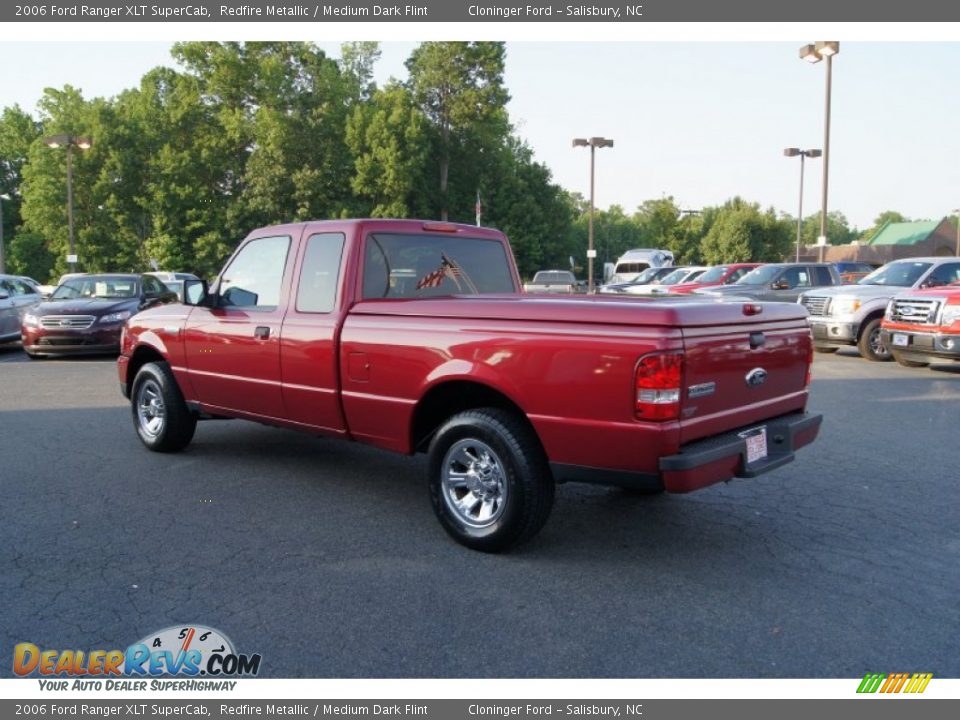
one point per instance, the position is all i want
(69, 142)
(593, 143)
(814, 53)
(955, 212)
(803, 154)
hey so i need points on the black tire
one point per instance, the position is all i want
(826, 349)
(160, 416)
(908, 363)
(870, 343)
(487, 462)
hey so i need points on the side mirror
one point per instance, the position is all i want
(196, 292)
(781, 285)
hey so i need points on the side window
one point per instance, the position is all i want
(20, 288)
(252, 281)
(152, 287)
(796, 277)
(6, 288)
(822, 275)
(736, 275)
(320, 272)
(943, 275)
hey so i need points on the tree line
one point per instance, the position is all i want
(243, 135)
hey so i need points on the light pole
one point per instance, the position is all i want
(69, 142)
(593, 143)
(3, 259)
(804, 154)
(814, 53)
(955, 212)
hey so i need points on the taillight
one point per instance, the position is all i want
(809, 362)
(657, 383)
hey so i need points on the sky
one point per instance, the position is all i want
(699, 121)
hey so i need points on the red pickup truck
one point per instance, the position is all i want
(416, 337)
(923, 326)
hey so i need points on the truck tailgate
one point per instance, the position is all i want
(735, 375)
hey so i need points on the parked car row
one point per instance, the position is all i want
(853, 315)
(773, 282)
(84, 314)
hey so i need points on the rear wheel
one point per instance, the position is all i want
(871, 345)
(908, 363)
(160, 416)
(490, 484)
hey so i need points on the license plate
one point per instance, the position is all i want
(901, 340)
(756, 444)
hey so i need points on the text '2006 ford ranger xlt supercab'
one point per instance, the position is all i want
(415, 336)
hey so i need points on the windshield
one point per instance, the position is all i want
(646, 276)
(714, 274)
(760, 276)
(93, 286)
(675, 277)
(897, 274)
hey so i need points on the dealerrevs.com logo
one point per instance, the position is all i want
(180, 651)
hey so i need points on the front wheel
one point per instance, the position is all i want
(871, 345)
(161, 418)
(490, 484)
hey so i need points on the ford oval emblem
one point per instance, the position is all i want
(756, 377)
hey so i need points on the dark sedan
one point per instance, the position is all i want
(85, 315)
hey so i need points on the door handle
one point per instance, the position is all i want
(262, 332)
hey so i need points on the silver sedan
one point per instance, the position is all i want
(16, 295)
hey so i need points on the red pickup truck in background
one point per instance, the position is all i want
(415, 336)
(923, 326)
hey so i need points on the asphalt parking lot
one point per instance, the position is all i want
(325, 556)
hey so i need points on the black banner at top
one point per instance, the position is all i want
(489, 11)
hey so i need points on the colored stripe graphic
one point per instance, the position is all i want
(894, 683)
(870, 683)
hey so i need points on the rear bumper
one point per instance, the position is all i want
(722, 457)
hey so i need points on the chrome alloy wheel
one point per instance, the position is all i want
(474, 483)
(151, 413)
(876, 344)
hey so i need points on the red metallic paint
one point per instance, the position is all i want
(567, 362)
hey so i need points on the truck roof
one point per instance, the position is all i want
(383, 225)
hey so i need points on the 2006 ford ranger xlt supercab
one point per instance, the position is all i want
(415, 336)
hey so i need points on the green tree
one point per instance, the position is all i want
(18, 131)
(533, 211)
(387, 136)
(838, 230)
(459, 87)
(741, 232)
(44, 187)
(357, 60)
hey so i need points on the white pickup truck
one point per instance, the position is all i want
(552, 281)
